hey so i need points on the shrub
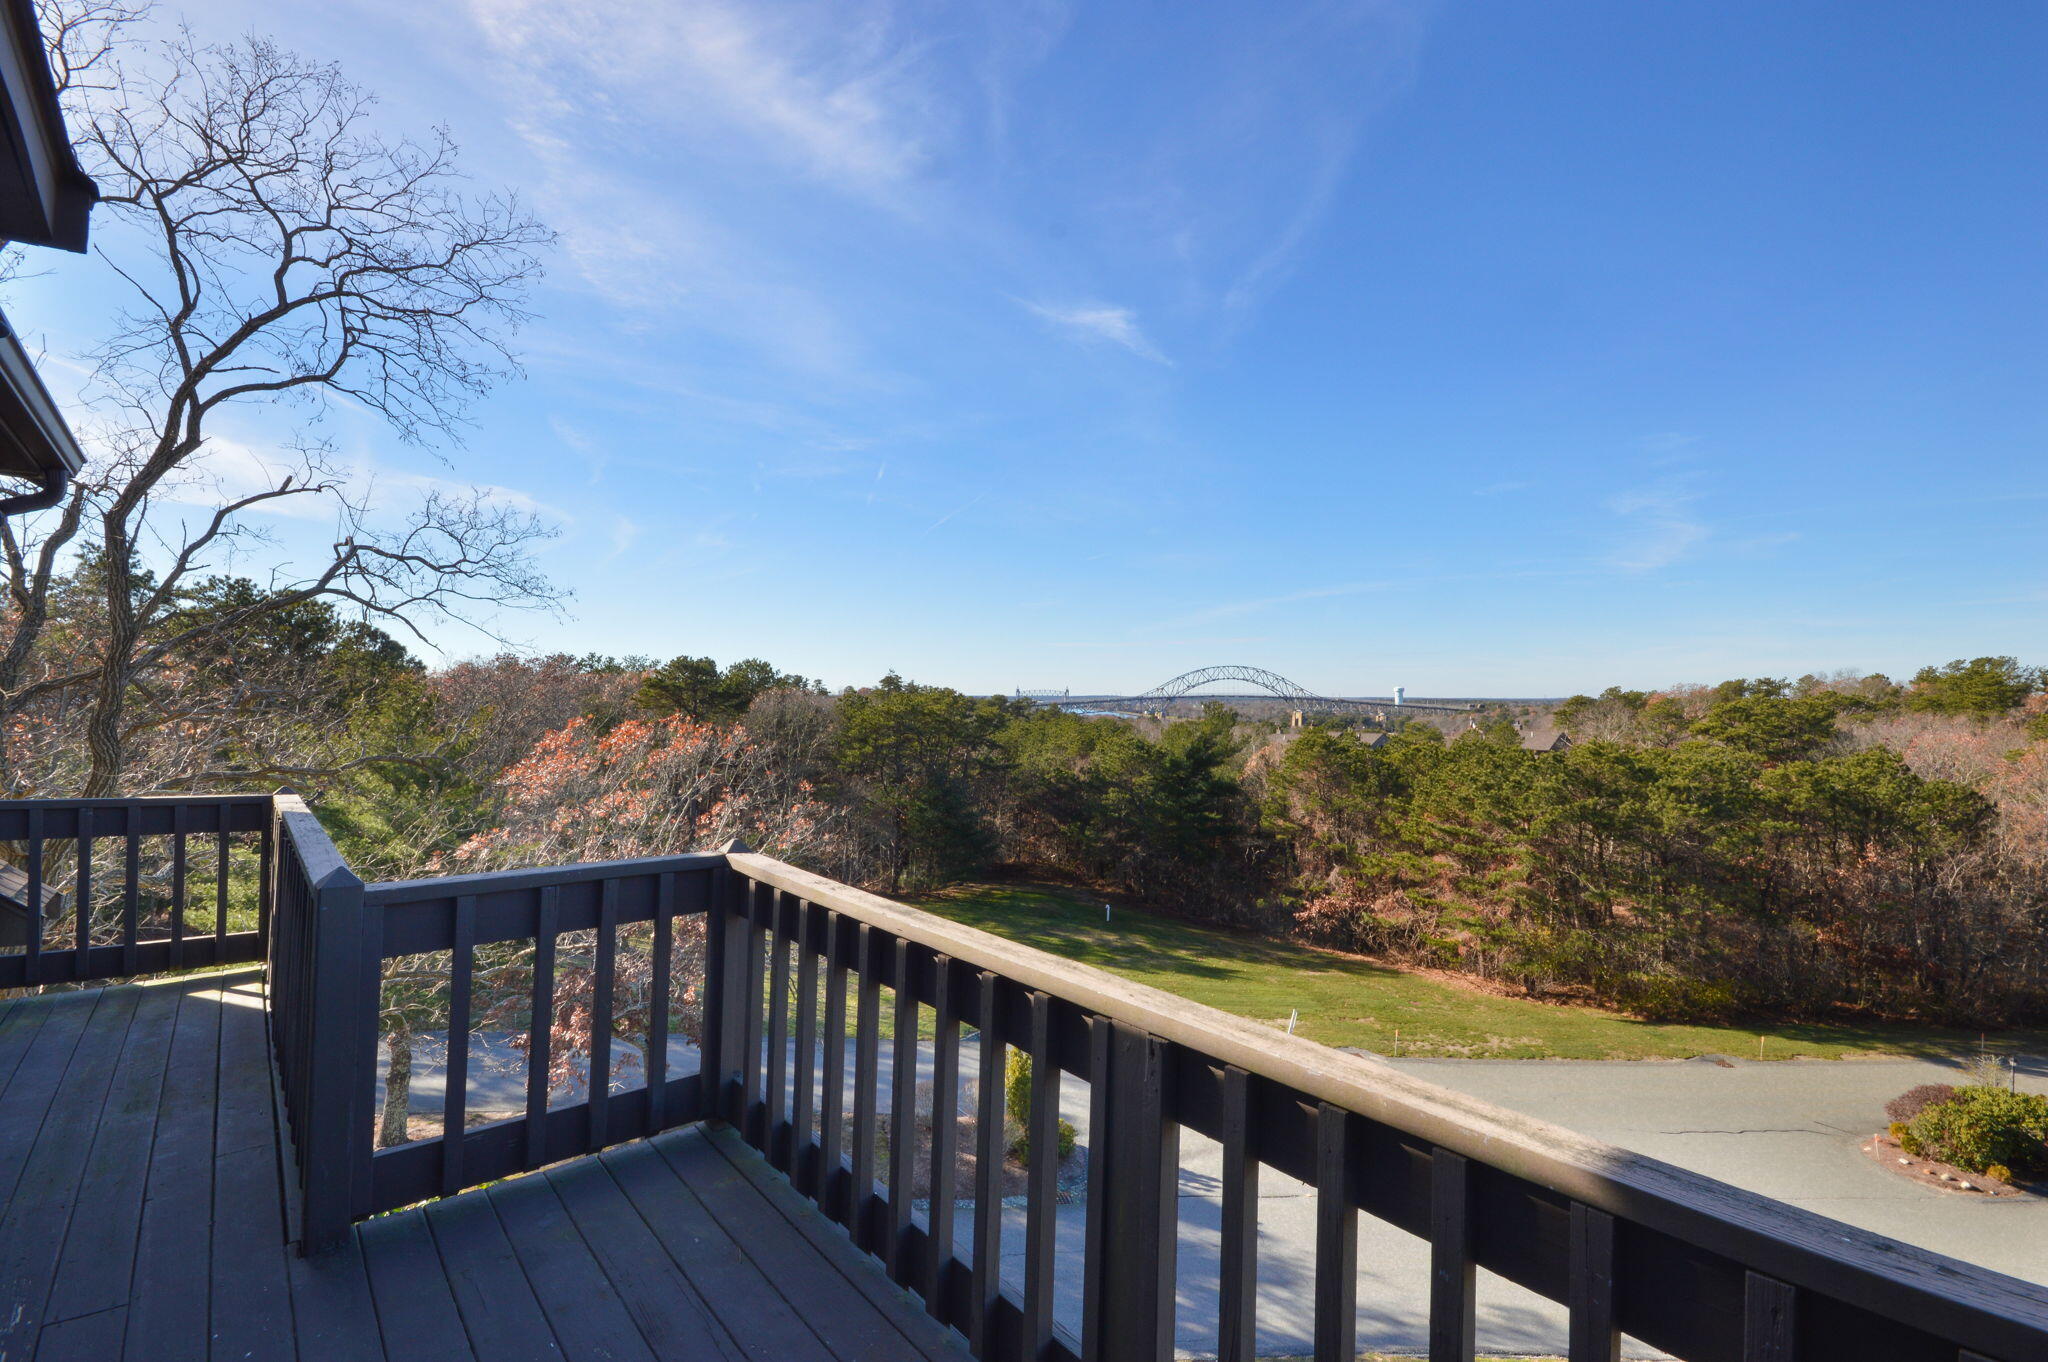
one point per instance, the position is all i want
(1017, 1104)
(1985, 1126)
(1017, 1086)
(1663, 997)
(1897, 1130)
(1998, 1172)
(1913, 1101)
(1909, 1142)
(1069, 1137)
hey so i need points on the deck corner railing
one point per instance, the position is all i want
(323, 991)
(832, 1027)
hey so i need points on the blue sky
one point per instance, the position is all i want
(1484, 348)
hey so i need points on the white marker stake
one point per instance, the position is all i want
(1293, 1015)
(1105, 912)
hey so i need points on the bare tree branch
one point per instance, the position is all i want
(280, 249)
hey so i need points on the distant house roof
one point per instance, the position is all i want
(14, 913)
(1545, 740)
(1373, 739)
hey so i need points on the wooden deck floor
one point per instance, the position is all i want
(142, 1216)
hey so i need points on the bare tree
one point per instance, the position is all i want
(280, 250)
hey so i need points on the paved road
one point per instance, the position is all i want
(1787, 1129)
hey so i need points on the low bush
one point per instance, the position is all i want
(1982, 1127)
(1998, 1172)
(1069, 1137)
(1017, 1103)
(1913, 1101)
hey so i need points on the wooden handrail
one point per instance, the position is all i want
(1981, 1310)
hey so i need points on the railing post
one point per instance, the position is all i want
(725, 994)
(340, 1056)
(1130, 1266)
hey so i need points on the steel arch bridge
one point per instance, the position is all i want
(1270, 685)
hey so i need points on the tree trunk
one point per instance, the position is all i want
(103, 723)
(397, 1089)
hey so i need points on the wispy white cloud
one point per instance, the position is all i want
(1659, 528)
(625, 533)
(1099, 322)
(832, 88)
(964, 506)
(227, 470)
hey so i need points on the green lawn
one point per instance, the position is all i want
(1345, 1000)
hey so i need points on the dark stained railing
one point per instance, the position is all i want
(1627, 1244)
(533, 910)
(323, 983)
(797, 1053)
(107, 888)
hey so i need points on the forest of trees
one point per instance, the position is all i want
(1757, 847)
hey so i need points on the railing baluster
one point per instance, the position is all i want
(938, 1241)
(266, 863)
(654, 1060)
(902, 1113)
(82, 910)
(455, 1090)
(1451, 1275)
(220, 887)
(603, 984)
(32, 965)
(1238, 1259)
(1336, 1240)
(831, 1191)
(1133, 1198)
(178, 821)
(1101, 1169)
(779, 937)
(751, 1106)
(867, 1078)
(1041, 1199)
(725, 1019)
(988, 1170)
(804, 1111)
(1769, 1320)
(1590, 1286)
(131, 885)
(540, 1027)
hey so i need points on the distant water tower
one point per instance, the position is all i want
(1400, 694)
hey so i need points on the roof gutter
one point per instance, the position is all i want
(55, 480)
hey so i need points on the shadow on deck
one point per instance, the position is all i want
(146, 1218)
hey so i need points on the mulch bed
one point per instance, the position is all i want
(1943, 1177)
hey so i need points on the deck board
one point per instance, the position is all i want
(828, 1267)
(498, 1307)
(726, 1278)
(169, 1301)
(99, 1250)
(144, 1216)
(39, 1210)
(414, 1303)
(663, 1303)
(590, 1318)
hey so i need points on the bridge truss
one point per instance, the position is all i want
(1270, 685)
